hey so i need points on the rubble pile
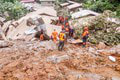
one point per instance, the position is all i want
(30, 24)
(24, 57)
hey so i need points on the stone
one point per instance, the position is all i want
(115, 78)
(4, 44)
(101, 45)
(118, 29)
(117, 67)
(93, 50)
(12, 66)
(57, 59)
(71, 77)
(1, 76)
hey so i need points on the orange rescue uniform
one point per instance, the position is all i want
(85, 33)
(41, 37)
(54, 36)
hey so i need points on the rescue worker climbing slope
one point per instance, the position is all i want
(61, 40)
(54, 35)
(85, 36)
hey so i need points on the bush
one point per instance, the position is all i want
(101, 5)
(104, 31)
(15, 10)
(100, 29)
(118, 11)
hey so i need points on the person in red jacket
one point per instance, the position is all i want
(85, 36)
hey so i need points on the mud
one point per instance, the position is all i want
(36, 61)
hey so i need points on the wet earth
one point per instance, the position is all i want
(42, 61)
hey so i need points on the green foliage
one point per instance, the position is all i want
(15, 10)
(9, 1)
(104, 31)
(118, 11)
(101, 5)
(101, 30)
(61, 1)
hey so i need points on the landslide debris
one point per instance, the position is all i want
(30, 62)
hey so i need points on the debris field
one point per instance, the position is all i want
(36, 61)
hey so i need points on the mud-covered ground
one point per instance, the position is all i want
(42, 61)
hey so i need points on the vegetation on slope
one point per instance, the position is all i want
(13, 8)
(102, 5)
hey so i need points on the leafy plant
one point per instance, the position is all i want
(104, 31)
(13, 8)
(101, 5)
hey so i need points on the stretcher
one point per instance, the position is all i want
(75, 41)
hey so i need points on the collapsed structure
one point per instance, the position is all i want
(47, 2)
(31, 23)
(30, 59)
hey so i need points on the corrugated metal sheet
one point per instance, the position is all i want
(64, 4)
(83, 13)
(73, 6)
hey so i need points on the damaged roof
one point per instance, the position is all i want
(65, 4)
(83, 13)
(74, 6)
(25, 1)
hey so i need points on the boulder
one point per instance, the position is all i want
(71, 77)
(101, 45)
(4, 44)
(1, 76)
(115, 78)
(118, 29)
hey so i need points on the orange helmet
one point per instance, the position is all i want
(85, 28)
(67, 24)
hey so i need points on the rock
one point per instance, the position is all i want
(71, 77)
(92, 50)
(4, 44)
(51, 44)
(19, 75)
(117, 68)
(118, 29)
(1, 76)
(101, 45)
(118, 49)
(57, 59)
(30, 22)
(107, 51)
(12, 66)
(115, 78)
